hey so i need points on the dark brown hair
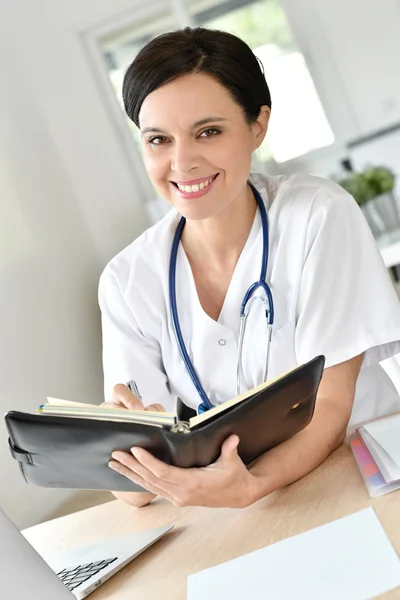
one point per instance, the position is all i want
(220, 54)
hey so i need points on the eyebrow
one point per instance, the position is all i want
(197, 124)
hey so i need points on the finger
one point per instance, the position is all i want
(229, 448)
(130, 461)
(123, 396)
(135, 478)
(163, 472)
(137, 473)
(111, 405)
(155, 408)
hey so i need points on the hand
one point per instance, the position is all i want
(123, 398)
(226, 483)
(136, 499)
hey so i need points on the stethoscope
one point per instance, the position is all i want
(248, 301)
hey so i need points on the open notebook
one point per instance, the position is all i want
(69, 445)
(67, 408)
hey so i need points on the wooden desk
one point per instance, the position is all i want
(204, 537)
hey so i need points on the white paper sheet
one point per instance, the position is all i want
(350, 559)
(387, 433)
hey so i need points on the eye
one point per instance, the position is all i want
(211, 131)
(157, 140)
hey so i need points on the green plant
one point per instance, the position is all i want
(368, 184)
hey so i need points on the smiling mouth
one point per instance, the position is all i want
(197, 187)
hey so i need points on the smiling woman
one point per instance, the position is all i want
(225, 88)
(201, 102)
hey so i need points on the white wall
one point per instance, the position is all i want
(352, 49)
(68, 202)
(48, 318)
(364, 37)
(70, 199)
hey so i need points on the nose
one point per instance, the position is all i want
(185, 156)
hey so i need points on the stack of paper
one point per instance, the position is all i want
(376, 447)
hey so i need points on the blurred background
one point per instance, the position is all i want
(73, 188)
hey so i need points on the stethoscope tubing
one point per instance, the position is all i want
(247, 302)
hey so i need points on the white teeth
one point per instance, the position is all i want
(188, 189)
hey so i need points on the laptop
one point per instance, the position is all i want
(63, 575)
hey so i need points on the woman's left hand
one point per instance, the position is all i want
(226, 483)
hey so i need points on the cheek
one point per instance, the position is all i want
(153, 163)
(236, 156)
(157, 167)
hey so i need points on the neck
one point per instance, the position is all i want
(220, 239)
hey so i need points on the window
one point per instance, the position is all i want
(298, 122)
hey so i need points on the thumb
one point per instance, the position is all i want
(229, 447)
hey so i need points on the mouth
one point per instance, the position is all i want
(195, 188)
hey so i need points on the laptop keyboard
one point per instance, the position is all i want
(75, 576)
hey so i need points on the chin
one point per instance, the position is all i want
(190, 217)
(194, 215)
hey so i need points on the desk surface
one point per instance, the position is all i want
(203, 537)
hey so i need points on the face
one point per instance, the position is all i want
(197, 145)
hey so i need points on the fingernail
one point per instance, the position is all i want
(135, 451)
(117, 456)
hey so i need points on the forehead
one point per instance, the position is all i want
(187, 100)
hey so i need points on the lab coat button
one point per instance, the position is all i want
(222, 342)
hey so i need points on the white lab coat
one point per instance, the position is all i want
(331, 291)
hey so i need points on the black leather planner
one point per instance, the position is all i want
(72, 452)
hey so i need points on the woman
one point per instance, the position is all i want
(202, 104)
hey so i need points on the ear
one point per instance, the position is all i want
(260, 126)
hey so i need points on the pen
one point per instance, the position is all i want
(132, 386)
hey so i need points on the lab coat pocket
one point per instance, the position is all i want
(282, 353)
(255, 347)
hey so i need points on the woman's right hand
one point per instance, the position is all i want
(122, 397)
